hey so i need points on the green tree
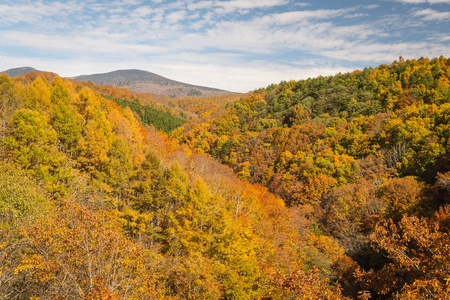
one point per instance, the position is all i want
(32, 144)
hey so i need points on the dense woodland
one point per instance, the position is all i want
(366, 155)
(327, 188)
(206, 106)
(96, 206)
(157, 118)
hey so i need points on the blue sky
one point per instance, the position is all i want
(238, 45)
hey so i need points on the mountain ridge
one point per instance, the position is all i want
(139, 81)
(19, 71)
(147, 82)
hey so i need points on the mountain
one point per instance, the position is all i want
(19, 71)
(147, 82)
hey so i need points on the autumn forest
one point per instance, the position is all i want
(333, 187)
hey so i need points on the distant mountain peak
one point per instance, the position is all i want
(147, 82)
(19, 71)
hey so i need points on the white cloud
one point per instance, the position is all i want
(440, 38)
(423, 1)
(142, 11)
(200, 5)
(34, 12)
(81, 45)
(130, 2)
(432, 15)
(233, 5)
(371, 52)
(297, 30)
(176, 16)
(299, 16)
(209, 42)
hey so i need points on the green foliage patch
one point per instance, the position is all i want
(150, 116)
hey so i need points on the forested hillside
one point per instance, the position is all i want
(94, 205)
(366, 156)
(205, 106)
(330, 188)
(150, 109)
(161, 120)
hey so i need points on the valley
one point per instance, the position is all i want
(334, 187)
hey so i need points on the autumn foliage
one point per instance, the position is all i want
(353, 150)
(328, 188)
(111, 209)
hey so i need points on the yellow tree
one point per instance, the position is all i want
(74, 252)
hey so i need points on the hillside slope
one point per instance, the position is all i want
(367, 152)
(96, 206)
(147, 82)
(150, 111)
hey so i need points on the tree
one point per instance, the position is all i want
(9, 104)
(32, 144)
(95, 144)
(301, 285)
(65, 120)
(22, 203)
(74, 251)
(401, 196)
(419, 255)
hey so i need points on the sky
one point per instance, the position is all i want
(236, 45)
